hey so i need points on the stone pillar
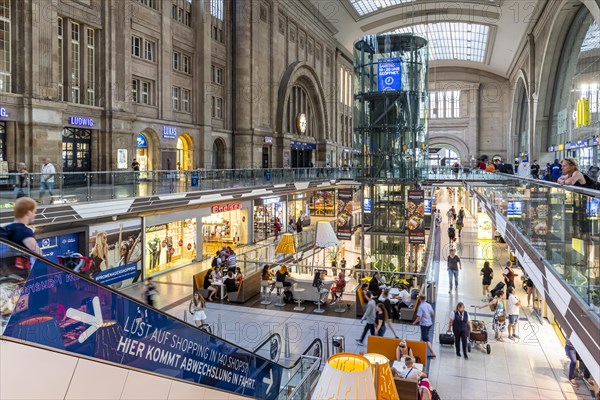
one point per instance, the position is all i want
(202, 85)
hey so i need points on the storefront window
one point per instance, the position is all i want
(265, 212)
(228, 228)
(322, 203)
(575, 111)
(298, 208)
(170, 245)
(76, 154)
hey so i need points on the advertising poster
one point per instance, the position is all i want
(484, 227)
(54, 246)
(344, 214)
(515, 209)
(389, 72)
(427, 203)
(116, 252)
(67, 312)
(415, 213)
(592, 209)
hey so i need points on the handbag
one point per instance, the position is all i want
(501, 318)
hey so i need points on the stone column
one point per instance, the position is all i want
(201, 103)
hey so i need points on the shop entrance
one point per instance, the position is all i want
(265, 212)
(301, 158)
(218, 159)
(228, 228)
(184, 153)
(141, 153)
(265, 157)
(3, 141)
(76, 154)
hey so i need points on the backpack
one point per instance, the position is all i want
(451, 232)
(591, 183)
(214, 262)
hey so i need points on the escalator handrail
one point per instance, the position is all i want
(28, 252)
(268, 340)
(576, 189)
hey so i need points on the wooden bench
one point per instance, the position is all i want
(408, 389)
(361, 304)
(410, 314)
(199, 283)
(249, 288)
(387, 347)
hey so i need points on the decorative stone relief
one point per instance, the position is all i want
(282, 24)
(263, 13)
(292, 33)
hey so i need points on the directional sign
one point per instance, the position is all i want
(94, 321)
(269, 381)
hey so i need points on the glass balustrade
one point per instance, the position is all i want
(562, 224)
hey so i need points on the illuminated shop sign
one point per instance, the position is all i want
(219, 208)
(80, 121)
(303, 146)
(271, 200)
(578, 144)
(169, 132)
(3, 112)
(594, 141)
(268, 139)
(561, 147)
(141, 141)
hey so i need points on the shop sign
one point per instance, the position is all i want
(80, 121)
(344, 214)
(3, 112)
(561, 147)
(578, 144)
(367, 204)
(415, 212)
(303, 146)
(268, 139)
(121, 158)
(389, 71)
(427, 203)
(271, 200)
(55, 246)
(169, 132)
(101, 324)
(515, 209)
(219, 208)
(594, 141)
(141, 141)
(156, 228)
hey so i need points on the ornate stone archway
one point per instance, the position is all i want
(463, 150)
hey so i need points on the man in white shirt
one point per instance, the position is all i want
(410, 371)
(47, 178)
(405, 299)
(513, 313)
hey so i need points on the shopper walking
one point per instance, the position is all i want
(488, 274)
(513, 313)
(450, 214)
(290, 227)
(392, 312)
(499, 320)
(150, 292)
(276, 228)
(451, 234)
(47, 179)
(535, 170)
(198, 309)
(22, 181)
(299, 225)
(381, 319)
(572, 354)
(461, 327)
(509, 276)
(459, 224)
(18, 231)
(425, 315)
(529, 284)
(555, 170)
(454, 265)
(369, 318)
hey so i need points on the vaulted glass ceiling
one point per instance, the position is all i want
(592, 38)
(453, 40)
(364, 7)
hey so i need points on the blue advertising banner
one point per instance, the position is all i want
(54, 246)
(389, 74)
(367, 204)
(64, 311)
(592, 209)
(515, 209)
(427, 203)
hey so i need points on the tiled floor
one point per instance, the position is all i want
(533, 367)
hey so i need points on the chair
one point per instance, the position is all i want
(320, 293)
(266, 293)
(279, 286)
(298, 290)
(341, 306)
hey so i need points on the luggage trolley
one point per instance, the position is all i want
(478, 335)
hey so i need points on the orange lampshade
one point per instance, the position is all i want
(287, 244)
(383, 377)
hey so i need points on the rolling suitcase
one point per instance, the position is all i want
(447, 339)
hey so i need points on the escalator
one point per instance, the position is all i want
(45, 304)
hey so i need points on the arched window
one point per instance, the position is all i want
(299, 112)
(218, 159)
(523, 120)
(575, 111)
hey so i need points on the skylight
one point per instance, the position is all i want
(453, 40)
(592, 38)
(364, 7)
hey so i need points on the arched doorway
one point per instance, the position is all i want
(443, 156)
(184, 152)
(142, 152)
(218, 158)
